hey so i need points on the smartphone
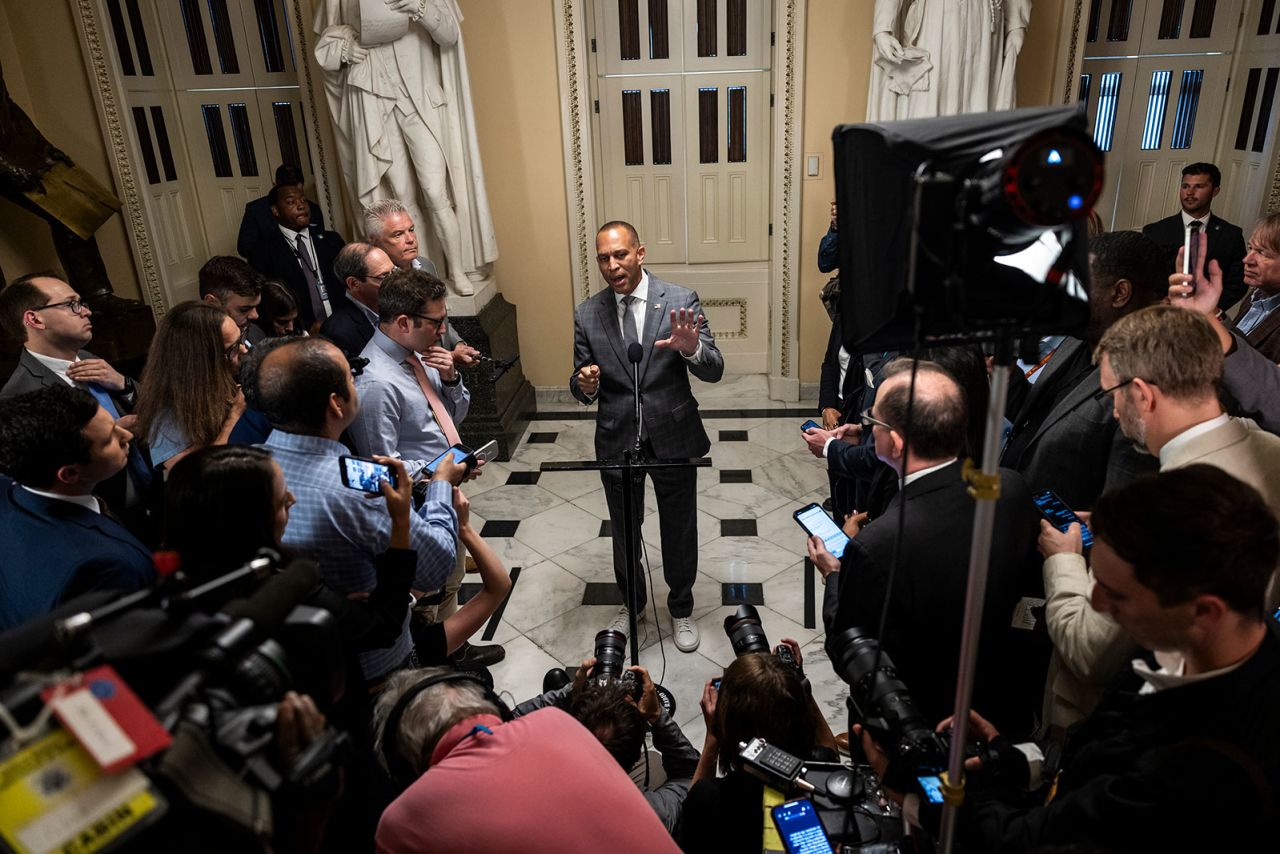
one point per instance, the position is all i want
(1060, 515)
(1191, 254)
(816, 521)
(461, 454)
(810, 425)
(487, 451)
(931, 787)
(800, 828)
(365, 475)
(715, 683)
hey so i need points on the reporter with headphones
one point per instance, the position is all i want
(476, 779)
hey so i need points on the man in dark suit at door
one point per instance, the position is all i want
(1201, 182)
(666, 321)
(301, 256)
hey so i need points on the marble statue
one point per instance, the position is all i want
(398, 92)
(944, 57)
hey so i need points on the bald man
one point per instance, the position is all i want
(926, 602)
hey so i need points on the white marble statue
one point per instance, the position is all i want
(401, 107)
(943, 57)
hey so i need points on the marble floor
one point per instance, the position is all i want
(549, 524)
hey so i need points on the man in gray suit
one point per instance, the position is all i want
(666, 321)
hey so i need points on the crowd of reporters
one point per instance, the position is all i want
(1132, 683)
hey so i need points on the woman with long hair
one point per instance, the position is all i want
(278, 311)
(189, 397)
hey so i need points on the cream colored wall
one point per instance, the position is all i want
(45, 73)
(511, 57)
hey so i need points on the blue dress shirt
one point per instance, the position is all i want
(344, 532)
(394, 416)
(1259, 308)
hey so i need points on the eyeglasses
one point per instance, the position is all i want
(74, 306)
(1103, 393)
(435, 321)
(868, 420)
(380, 278)
(241, 346)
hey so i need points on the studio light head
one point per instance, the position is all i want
(955, 228)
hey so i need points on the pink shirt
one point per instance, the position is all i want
(539, 783)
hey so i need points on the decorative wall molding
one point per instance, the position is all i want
(575, 129)
(731, 302)
(105, 82)
(788, 84)
(1075, 55)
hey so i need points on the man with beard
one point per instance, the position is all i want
(1160, 369)
(1064, 435)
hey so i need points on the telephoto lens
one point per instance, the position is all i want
(611, 653)
(746, 635)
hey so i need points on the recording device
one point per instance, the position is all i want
(800, 828)
(881, 703)
(365, 475)
(746, 635)
(1191, 255)
(777, 768)
(461, 454)
(611, 663)
(815, 521)
(211, 672)
(487, 451)
(1060, 515)
(810, 425)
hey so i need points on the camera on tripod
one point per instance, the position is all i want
(746, 636)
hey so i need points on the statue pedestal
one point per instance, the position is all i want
(499, 410)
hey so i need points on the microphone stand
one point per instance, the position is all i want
(630, 476)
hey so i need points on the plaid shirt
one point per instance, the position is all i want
(345, 532)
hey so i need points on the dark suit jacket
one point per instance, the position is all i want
(1074, 446)
(671, 420)
(1226, 244)
(348, 326)
(832, 394)
(1265, 337)
(30, 375)
(926, 606)
(55, 550)
(1137, 770)
(258, 223)
(276, 258)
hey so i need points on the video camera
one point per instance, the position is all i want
(209, 673)
(746, 635)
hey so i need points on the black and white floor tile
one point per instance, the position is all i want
(554, 526)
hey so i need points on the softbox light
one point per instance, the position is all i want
(960, 227)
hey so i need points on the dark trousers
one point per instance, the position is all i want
(676, 490)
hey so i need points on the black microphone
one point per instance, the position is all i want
(635, 353)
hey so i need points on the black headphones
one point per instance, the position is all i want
(397, 766)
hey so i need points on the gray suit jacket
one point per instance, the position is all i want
(1254, 381)
(671, 419)
(30, 375)
(1078, 451)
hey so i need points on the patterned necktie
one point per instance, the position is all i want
(629, 335)
(442, 416)
(313, 281)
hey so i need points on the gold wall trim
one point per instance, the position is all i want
(1073, 62)
(788, 195)
(105, 93)
(730, 302)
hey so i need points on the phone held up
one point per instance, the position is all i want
(815, 520)
(365, 475)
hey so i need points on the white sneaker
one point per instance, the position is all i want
(686, 633)
(622, 622)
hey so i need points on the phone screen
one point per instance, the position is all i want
(1060, 515)
(816, 521)
(810, 425)
(800, 828)
(365, 475)
(460, 453)
(932, 788)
